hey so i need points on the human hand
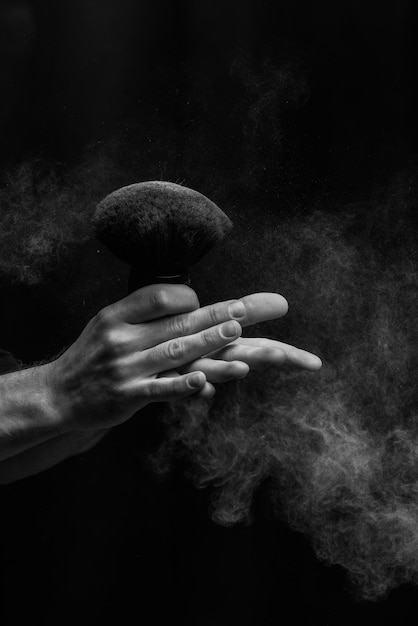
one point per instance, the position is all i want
(117, 364)
(244, 354)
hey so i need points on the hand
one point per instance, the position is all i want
(244, 354)
(139, 350)
(117, 365)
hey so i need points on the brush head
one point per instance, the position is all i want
(160, 227)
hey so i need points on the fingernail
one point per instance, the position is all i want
(197, 380)
(237, 309)
(230, 329)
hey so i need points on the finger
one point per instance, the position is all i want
(207, 392)
(169, 388)
(252, 309)
(152, 302)
(177, 352)
(172, 373)
(295, 356)
(261, 307)
(261, 352)
(256, 358)
(217, 371)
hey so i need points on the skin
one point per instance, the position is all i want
(157, 344)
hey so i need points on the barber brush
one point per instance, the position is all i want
(161, 229)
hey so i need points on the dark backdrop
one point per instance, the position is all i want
(336, 81)
(265, 106)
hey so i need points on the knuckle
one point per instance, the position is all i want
(119, 399)
(217, 314)
(114, 375)
(151, 390)
(159, 300)
(174, 349)
(112, 342)
(156, 391)
(181, 325)
(114, 395)
(207, 339)
(103, 319)
(213, 335)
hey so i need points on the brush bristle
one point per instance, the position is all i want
(159, 226)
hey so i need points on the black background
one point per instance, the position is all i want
(269, 103)
(78, 73)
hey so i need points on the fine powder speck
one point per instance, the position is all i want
(338, 449)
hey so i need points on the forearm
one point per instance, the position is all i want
(27, 413)
(47, 454)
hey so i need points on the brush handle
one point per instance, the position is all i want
(138, 278)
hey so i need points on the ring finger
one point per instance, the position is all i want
(217, 371)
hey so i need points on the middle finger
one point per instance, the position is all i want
(258, 307)
(177, 352)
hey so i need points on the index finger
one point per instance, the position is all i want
(257, 307)
(261, 307)
(153, 302)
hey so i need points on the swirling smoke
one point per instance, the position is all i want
(45, 213)
(339, 449)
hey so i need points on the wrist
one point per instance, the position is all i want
(28, 415)
(58, 403)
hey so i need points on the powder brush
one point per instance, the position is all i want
(160, 228)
